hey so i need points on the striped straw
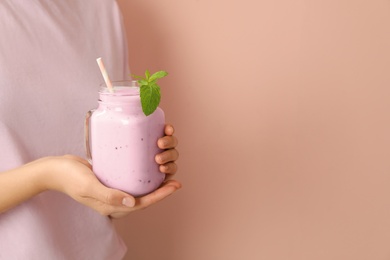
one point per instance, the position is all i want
(105, 75)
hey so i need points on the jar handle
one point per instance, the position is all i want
(87, 144)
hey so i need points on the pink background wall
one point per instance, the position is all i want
(282, 112)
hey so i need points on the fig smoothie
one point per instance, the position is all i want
(123, 141)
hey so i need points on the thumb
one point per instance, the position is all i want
(115, 197)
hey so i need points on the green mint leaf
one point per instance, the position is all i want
(149, 90)
(143, 82)
(150, 98)
(147, 75)
(157, 75)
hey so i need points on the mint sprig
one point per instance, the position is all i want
(150, 90)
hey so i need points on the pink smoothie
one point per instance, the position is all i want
(123, 142)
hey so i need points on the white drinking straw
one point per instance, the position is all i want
(105, 75)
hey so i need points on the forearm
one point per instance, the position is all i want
(20, 184)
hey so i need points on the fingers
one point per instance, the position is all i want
(164, 191)
(115, 203)
(143, 202)
(169, 130)
(83, 186)
(174, 183)
(168, 168)
(105, 200)
(167, 156)
(113, 197)
(167, 142)
(111, 202)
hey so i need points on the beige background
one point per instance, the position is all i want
(282, 112)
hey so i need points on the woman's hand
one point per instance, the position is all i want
(73, 176)
(78, 181)
(166, 159)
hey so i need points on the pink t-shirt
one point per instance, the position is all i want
(48, 80)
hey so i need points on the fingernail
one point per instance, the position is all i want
(159, 159)
(128, 202)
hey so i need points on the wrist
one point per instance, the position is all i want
(56, 172)
(44, 173)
